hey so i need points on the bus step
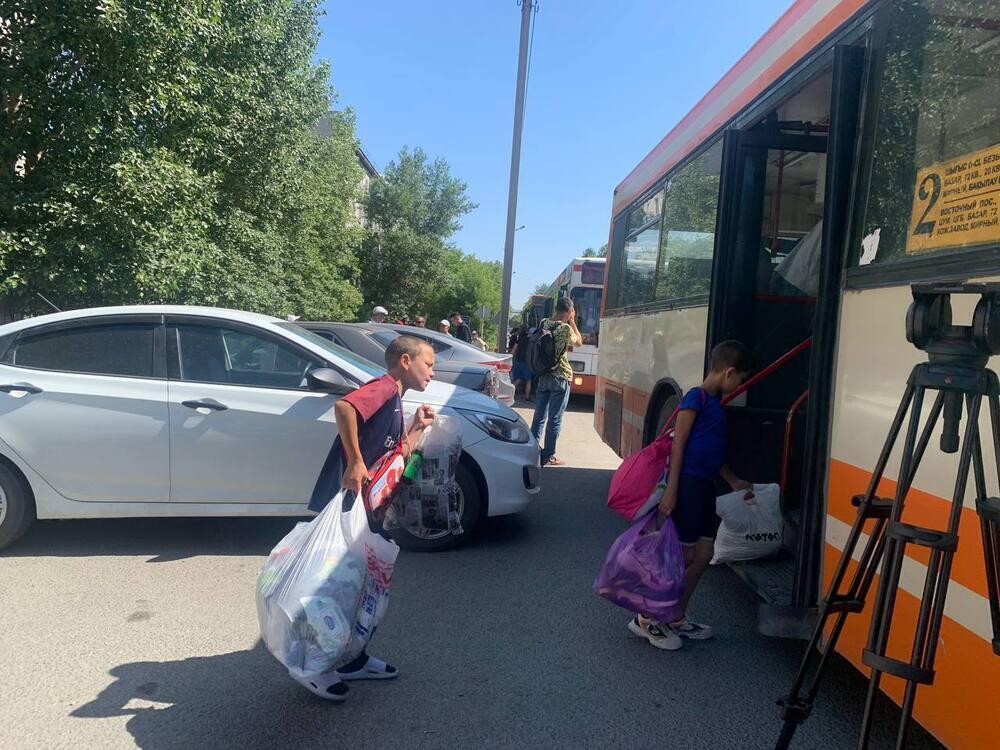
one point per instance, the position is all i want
(770, 579)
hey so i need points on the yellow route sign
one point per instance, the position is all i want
(956, 203)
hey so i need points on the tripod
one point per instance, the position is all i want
(956, 371)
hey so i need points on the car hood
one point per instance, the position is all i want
(442, 394)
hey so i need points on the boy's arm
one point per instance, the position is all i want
(356, 472)
(575, 339)
(422, 419)
(734, 481)
(682, 431)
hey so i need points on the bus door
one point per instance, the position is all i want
(785, 193)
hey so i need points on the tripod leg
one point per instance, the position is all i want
(797, 706)
(989, 518)
(919, 669)
(885, 599)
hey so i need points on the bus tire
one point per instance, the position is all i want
(668, 403)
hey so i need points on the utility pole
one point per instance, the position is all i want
(527, 6)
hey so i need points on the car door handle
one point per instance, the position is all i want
(26, 387)
(205, 403)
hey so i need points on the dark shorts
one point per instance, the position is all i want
(521, 371)
(694, 517)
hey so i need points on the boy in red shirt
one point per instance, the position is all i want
(369, 424)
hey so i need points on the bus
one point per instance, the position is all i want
(583, 282)
(851, 152)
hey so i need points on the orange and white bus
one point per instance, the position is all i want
(852, 151)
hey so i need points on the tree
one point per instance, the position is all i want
(601, 252)
(413, 211)
(163, 152)
(470, 284)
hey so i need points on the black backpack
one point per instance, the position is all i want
(541, 355)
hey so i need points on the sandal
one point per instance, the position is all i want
(373, 669)
(553, 461)
(329, 686)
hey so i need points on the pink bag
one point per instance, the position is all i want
(644, 571)
(631, 492)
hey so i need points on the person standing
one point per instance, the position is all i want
(478, 341)
(552, 389)
(420, 321)
(379, 314)
(370, 424)
(461, 328)
(521, 373)
(444, 327)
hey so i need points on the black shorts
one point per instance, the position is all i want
(694, 517)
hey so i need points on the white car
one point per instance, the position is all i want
(171, 410)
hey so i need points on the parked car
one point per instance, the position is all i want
(192, 411)
(370, 341)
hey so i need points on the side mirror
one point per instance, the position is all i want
(328, 380)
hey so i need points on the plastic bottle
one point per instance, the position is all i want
(412, 469)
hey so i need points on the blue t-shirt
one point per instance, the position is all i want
(705, 451)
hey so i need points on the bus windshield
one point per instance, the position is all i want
(587, 302)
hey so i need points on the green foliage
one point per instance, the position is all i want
(407, 264)
(601, 252)
(164, 152)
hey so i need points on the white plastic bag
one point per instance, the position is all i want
(749, 530)
(323, 590)
(430, 503)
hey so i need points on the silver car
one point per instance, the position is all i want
(168, 410)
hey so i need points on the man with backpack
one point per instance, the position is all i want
(546, 356)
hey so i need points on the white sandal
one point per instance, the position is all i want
(323, 684)
(374, 669)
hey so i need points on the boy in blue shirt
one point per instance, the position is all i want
(697, 456)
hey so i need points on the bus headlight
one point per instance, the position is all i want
(501, 428)
(577, 366)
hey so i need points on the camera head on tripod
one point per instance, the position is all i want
(929, 326)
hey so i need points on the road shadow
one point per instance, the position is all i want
(240, 699)
(164, 539)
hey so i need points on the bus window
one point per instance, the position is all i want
(688, 239)
(935, 170)
(639, 262)
(587, 303)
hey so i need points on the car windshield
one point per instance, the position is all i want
(348, 356)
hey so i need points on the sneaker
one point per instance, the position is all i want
(655, 634)
(693, 630)
(373, 669)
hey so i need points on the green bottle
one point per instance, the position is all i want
(412, 469)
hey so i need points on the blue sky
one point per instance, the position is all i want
(607, 81)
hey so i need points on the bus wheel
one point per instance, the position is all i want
(666, 409)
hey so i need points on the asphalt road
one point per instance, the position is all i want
(143, 633)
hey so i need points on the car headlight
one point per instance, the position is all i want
(501, 428)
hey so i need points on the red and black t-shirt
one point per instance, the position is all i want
(380, 428)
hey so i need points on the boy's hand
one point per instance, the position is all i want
(742, 484)
(424, 416)
(355, 475)
(668, 502)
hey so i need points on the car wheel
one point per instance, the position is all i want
(17, 507)
(470, 503)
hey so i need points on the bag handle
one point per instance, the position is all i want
(673, 417)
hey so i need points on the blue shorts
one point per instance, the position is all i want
(694, 517)
(521, 371)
